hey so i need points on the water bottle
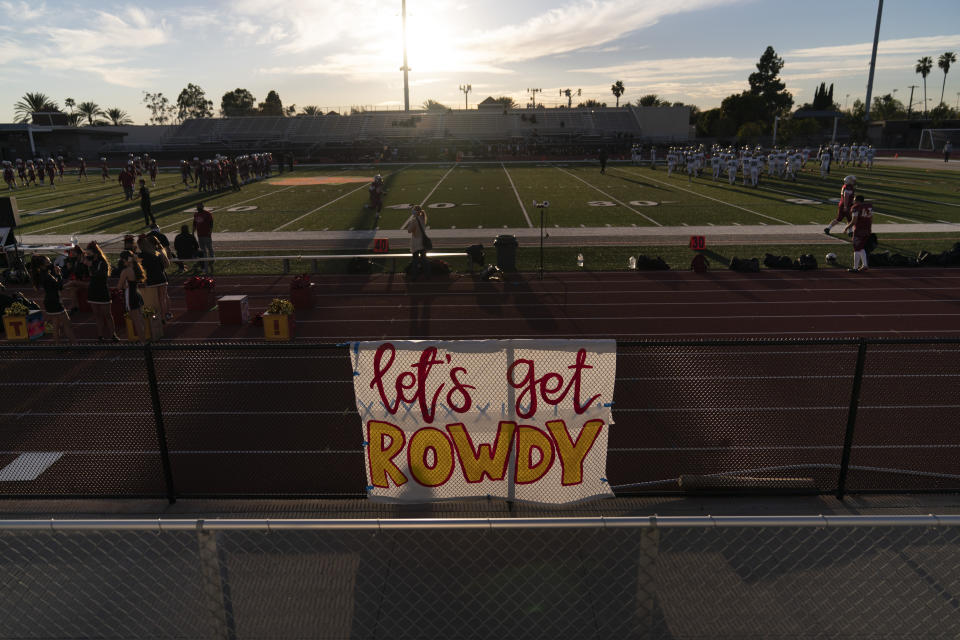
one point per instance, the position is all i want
(632, 262)
(580, 260)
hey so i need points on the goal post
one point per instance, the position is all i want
(934, 139)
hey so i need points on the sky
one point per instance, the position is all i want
(339, 53)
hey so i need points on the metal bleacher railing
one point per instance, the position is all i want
(633, 577)
(833, 416)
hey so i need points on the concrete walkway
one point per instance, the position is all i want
(458, 238)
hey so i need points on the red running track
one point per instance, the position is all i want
(624, 305)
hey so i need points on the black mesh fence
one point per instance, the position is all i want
(259, 420)
(585, 578)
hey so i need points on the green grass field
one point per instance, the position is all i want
(494, 196)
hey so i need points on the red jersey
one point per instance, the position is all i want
(862, 218)
(846, 197)
(203, 223)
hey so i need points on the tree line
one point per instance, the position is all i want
(743, 115)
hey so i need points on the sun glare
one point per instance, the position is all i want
(430, 45)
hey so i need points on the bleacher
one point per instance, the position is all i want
(414, 126)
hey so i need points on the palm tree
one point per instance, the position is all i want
(944, 63)
(31, 103)
(618, 90)
(311, 110)
(91, 111)
(118, 117)
(923, 67)
(70, 103)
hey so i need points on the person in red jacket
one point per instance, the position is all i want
(203, 227)
(862, 223)
(846, 202)
(126, 180)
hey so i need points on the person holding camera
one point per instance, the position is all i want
(48, 276)
(420, 243)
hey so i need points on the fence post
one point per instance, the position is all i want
(158, 421)
(851, 418)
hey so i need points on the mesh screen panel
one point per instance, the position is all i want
(644, 582)
(724, 416)
(906, 434)
(87, 413)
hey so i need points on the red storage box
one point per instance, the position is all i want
(233, 309)
(200, 299)
(302, 298)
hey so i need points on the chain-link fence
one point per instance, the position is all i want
(220, 420)
(771, 577)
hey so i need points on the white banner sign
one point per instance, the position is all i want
(524, 420)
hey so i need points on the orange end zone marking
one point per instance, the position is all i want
(300, 182)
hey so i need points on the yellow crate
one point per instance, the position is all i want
(15, 327)
(152, 326)
(277, 327)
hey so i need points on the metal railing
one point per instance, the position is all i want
(834, 416)
(677, 578)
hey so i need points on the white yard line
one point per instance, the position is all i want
(364, 186)
(808, 197)
(436, 186)
(735, 206)
(612, 199)
(312, 211)
(517, 193)
(128, 210)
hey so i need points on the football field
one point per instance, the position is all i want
(494, 196)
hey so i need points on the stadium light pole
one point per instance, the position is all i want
(910, 106)
(533, 93)
(405, 68)
(466, 88)
(873, 61)
(776, 119)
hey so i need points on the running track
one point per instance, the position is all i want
(244, 421)
(627, 305)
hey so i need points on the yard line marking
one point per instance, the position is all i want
(609, 196)
(517, 193)
(436, 186)
(137, 208)
(800, 195)
(29, 466)
(363, 186)
(735, 206)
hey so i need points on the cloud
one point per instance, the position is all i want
(22, 11)
(107, 33)
(363, 53)
(666, 68)
(922, 45)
